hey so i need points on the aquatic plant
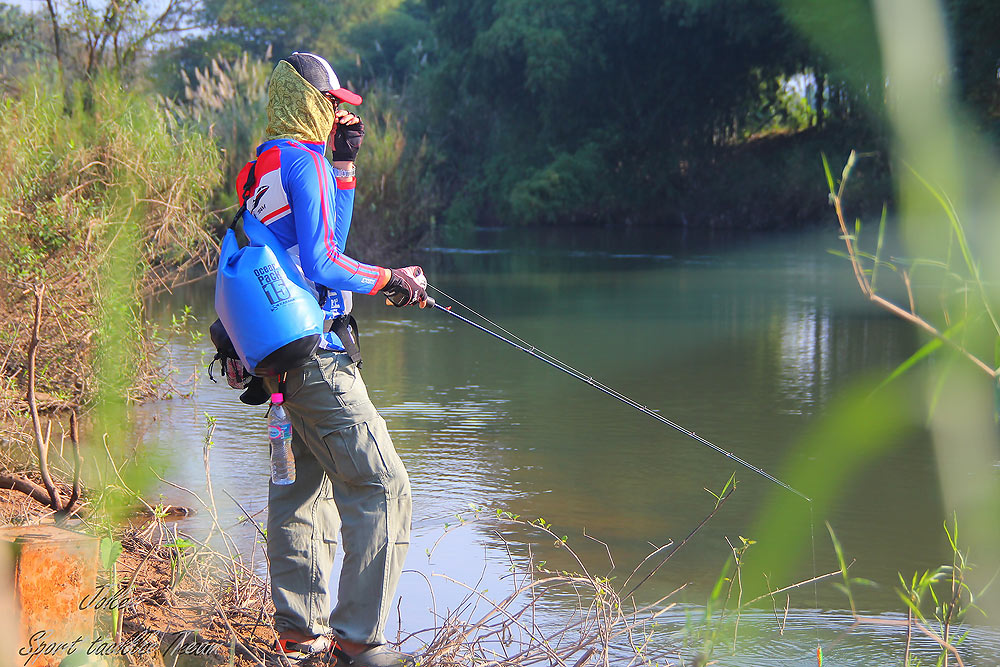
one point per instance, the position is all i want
(936, 601)
(944, 295)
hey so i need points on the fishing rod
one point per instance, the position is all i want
(533, 351)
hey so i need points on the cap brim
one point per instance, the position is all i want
(344, 95)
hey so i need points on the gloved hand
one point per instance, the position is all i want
(347, 139)
(406, 287)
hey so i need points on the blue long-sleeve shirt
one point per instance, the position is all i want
(295, 194)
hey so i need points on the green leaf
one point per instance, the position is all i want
(829, 175)
(952, 537)
(851, 159)
(110, 549)
(963, 243)
(934, 264)
(839, 551)
(180, 543)
(911, 605)
(925, 351)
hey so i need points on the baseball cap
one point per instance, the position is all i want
(317, 71)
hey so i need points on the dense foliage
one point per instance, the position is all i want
(518, 112)
(590, 111)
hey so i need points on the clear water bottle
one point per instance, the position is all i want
(279, 431)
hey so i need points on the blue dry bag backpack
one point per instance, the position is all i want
(272, 317)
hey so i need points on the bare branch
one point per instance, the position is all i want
(74, 436)
(670, 555)
(798, 585)
(27, 487)
(908, 315)
(41, 443)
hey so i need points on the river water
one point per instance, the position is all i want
(744, 340)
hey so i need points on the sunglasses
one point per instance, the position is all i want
(333, 100)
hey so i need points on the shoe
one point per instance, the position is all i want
(318, 648)
(378, 656)
(328, 651)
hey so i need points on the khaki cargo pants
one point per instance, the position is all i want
(348, 480)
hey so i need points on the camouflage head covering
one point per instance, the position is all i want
(295, 109)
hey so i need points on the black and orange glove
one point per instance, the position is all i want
(406, 287)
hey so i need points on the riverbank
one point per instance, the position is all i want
(161, 593)
(165, 597)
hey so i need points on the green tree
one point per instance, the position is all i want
(21, 41)
(975, 27)
(393, 46)
(88, 37)
(539, 104)
(388, 36)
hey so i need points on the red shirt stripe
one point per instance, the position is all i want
(274, 214)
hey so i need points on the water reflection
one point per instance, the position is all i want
(805, 354)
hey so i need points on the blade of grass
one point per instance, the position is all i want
(829, 174)
(878, 247)
(963, 242)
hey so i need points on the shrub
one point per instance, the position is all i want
(101, 195)
(227, 102)
(396, 200)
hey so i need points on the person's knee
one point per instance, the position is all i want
(397, 487)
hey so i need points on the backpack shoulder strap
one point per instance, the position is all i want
(242, 240)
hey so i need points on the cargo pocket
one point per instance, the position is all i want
(363, 453)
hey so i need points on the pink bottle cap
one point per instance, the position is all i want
(277, 398)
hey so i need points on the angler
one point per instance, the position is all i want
(283, 295)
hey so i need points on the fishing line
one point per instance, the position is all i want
(533, 351)
(524, 346)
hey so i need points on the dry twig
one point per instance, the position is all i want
(41, 443)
